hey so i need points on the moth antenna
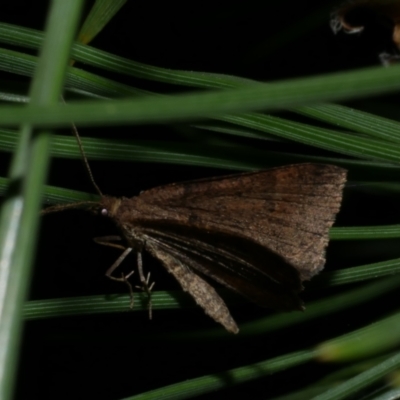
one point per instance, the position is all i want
(85, 160)
(62, 207)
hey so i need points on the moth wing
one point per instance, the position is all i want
(288, 210)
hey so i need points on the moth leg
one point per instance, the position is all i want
(116, 264)
(108, 241)
(146, 286)
(145, 282)
(124, 278)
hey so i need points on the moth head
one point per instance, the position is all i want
(108, 206)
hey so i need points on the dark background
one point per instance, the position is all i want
(114, 356)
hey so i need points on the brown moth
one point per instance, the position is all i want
(260, 234)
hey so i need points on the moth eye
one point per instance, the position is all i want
(104, 212)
